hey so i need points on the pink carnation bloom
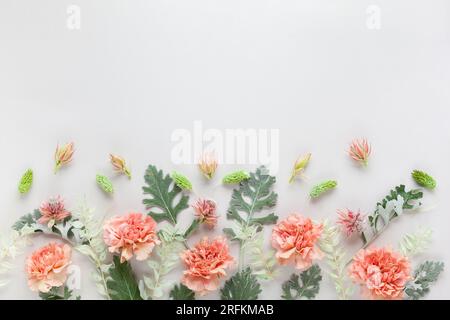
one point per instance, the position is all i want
(47, 267)
(382, 273)
(295, 240)
(53, 211)
(132, 234)
(205, 211)
(351, 222)
(206, 264)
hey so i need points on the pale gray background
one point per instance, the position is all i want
(137, 70)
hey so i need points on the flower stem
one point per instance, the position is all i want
(127, 173)
(369, 242)
(241, 255)
(102, 274)
(291, 179)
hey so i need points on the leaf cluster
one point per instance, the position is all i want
(121, 283)
(164, 195)
(306, 285)
(424, 276)
(253, 195)
(242, 286)
(336, 257)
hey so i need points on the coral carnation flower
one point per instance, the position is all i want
(206, 264)
(132, 234)
(47, 267)
(295, 240)
(381, 272)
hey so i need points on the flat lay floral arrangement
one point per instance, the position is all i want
(316, 249)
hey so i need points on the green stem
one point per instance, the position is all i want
(54, 293)
(127, 173)
(369, 242)
(291, 179)
(98, 264)
(104, 283)
(363, 237)
(194, 226)
(241, 255)
(247, 223)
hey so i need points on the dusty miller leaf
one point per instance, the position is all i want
(122, 283)
(229, 232)
(242, 286)
(181, 292)
(64, 228)
(262, 261)
(416, 243)
(56, 294)
(254, 195)
(391, 207)
(11, 246)
(28, 220)
(169, 256)
(163, 193)
(308, 287)
(330, 244)
(424, 276)
(408, 198)
(89, 229)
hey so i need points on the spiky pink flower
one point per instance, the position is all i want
(360, 151)
(205, 211)
(63, 155)
(208, 164)
(53, 211)
(351, 222)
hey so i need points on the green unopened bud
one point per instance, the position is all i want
(105, 184)
(26, 182)
(181, 181)
(236, 177)
(321, 188)
(423, 179)
(299, 166)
